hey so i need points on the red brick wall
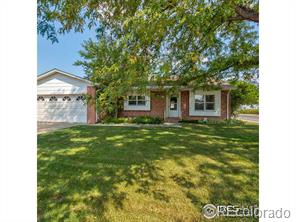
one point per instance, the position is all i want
(91, 108)
(185, 107)
(224, 104)
(185, 104)
(157, 107)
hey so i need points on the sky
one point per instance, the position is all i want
(63, 54)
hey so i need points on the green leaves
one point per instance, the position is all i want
(198, 42)
(113, 70)
(245, 93)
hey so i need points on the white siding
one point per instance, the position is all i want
(216, 112)
(61, 84)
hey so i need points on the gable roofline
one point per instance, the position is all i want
(55, 70)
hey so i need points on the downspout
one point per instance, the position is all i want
(227, 110)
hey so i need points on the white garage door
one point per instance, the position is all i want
(62, 108)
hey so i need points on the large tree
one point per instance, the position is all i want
(193, 42)
(245, 93)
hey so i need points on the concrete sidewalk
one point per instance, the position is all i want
(44, 127)
(249, 117)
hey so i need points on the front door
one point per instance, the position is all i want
(173, 106)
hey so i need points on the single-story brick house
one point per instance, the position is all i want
(60, 99)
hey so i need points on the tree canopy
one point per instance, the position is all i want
(192, 39)
(245, 93)
(186, 43)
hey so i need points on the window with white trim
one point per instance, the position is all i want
(136, 101)
(204, 102)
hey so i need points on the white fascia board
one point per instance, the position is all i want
(54, 71)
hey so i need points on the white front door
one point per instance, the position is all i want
(173, 106)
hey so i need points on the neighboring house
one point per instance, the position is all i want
(60, 99)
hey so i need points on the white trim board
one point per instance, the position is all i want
(55, 71)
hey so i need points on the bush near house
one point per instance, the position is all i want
(137, 120)
(147, 120)
(116, 120)
(214, 122)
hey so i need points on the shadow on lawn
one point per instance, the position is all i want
(85, 171)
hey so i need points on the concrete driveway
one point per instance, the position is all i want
(43, 127)
(249, 117)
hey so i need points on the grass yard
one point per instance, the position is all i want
(106, 173)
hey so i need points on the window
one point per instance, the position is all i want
(132, 100)
(66, 98)
(173, 103)
(80, 98)
(53, 98)
(199, 102)
(204, 102)
(210, 102)
(141, 101)
(40, 98)
(136, 101)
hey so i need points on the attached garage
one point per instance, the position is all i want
(61, 97)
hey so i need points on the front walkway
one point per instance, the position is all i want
(44, 127)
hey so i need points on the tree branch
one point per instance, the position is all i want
(245, 13)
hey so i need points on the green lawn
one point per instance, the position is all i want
(95, 173)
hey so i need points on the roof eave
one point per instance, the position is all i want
(53, 71)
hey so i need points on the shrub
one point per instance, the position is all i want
(116, 120)
(147, 120)
(194, 121)
(137, 120)
(214, 122)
